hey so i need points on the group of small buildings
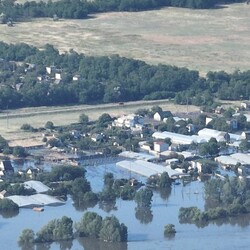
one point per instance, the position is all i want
(39, 199)
(143, 161)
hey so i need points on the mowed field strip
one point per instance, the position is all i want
(216, 39)
(12, 120)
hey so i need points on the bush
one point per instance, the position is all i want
(169, 229)
(27, 127)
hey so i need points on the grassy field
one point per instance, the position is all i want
(204, 40)
(11, 121)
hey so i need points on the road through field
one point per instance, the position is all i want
(12, 120)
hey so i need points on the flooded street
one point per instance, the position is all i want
(145, 228)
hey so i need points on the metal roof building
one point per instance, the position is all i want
(146, 168)
(244, 158)
(207, 134)
(233, 159)
(35, 200)
(175, 138)
(37, 185)
(226, 160)
(138, 156)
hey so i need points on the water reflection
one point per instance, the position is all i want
(165, 193)
(95, 244)
(9, 214)
(144, 214)
(82, 206)
(240, 220)
(108, 206)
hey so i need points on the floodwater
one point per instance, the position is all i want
(145, 228)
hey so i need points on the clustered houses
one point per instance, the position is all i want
(166, 148)
(132, 121)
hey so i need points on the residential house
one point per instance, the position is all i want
(219, 110)
(244, 170)
(160, 146)
(6, 167)
(208, 120)
(3, 194)
(32, 172)
(245, 135)
(128, 121)
(51, 70)
(76, 133)
(58, 76)
(159, 116)
(245, 105)
(96, 137)
(191, 128)
(233, 124)
(76, 78)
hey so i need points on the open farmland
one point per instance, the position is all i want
(217, 39)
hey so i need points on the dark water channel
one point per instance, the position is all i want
(145, 229)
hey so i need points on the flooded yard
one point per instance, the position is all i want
(146, 229)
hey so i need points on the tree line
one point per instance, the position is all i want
(106, 79)
(79, 9)
(230, 197)
(91, 224)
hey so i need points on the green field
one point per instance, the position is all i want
(217, 39)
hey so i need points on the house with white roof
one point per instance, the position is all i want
(128, 121)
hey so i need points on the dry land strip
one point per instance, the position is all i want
(12, 120)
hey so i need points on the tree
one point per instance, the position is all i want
(89, 225)
(104, 120)
(169, 229)
(27, 238)
(242, 121)
(209, 148)
(244, 145)
(3, 144)
(112, 230)
(144, 214)
(143, 197)
(27, 127)
(165, 181)
(19, 151)
(8, 205)
(49, 125)
(57, 229)
(83, 119)
(108, 180)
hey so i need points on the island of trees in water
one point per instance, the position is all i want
(105, 79)
(224, 199)
(79, 9)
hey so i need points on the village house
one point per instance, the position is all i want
(76, 77)
(219, 110)
(245, 105)
(51, 70)
(128, 121)
(159, 116)
(96, 137)
(6, 168)
(160, 146)
(245, 135)
(233, 124)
